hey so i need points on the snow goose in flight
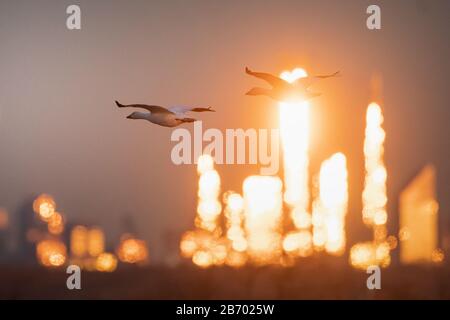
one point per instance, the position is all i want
(285, 91)
(170, 117)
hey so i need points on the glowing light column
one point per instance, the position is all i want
(234, 220)
(374, 196)
(330, 208)
(209, 207)
(294, 130)
(205, 245)
(263, 203)
(234, 214)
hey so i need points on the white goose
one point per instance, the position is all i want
(170, 117)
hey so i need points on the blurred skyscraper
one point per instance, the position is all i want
(27, 230)
(418, 209)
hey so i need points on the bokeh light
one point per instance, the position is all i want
(45, 206)
(51, 253)
(132, 251)
(106, 262)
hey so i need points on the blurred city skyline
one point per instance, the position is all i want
(61, 133)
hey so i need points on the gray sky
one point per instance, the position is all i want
(60, 132)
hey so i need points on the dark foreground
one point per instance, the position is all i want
(311, 280)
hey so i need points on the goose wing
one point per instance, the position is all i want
(306, 82)
(182, 111)
(271, 79)
(151, 108)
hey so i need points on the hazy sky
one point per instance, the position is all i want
(60, 132)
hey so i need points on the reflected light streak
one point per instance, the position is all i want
(235, 220)
(294, 131)
(333, 202)
(209, 207)
(374, 195)
(263, 204)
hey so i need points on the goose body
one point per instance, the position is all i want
(170, 117)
